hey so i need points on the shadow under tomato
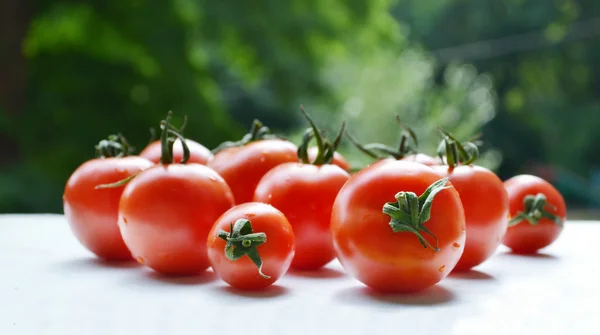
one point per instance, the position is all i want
(268, 292)
(78, 264)
(322, 273)
(537, 255)
(472, 275)
(436, 295)
(199, 279)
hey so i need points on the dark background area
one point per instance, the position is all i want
(523, 73)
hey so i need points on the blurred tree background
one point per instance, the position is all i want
(522, 72)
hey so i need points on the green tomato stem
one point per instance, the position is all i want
(168, 136)
(379, 151)
(113, 146)
(325, 149)
(242, 241)
(536, 208)
(410, 212)
(257, 132)
(453, 152)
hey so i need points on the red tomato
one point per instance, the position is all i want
(166, 212)
(305, 194)
(423, 159)
(542, 222)
(364, 237)
(338, 159)
(486, 209)
(265, 259)
(198, 153)
(242, 167)
(92, 213)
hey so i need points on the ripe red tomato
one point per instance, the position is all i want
(384, 253)
(251, 246)
(198, 153)
(242, 164)
(338, 159)
(423, 159)
(166, 212)
(92, 213)
(538, 212)
(483, 197)
(305, 194)
(486, 209)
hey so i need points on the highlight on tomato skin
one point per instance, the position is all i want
(538, 226)
(92, 213)
(198, 153)
(389, 260)
(275, 253)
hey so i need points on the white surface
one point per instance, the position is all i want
(49, 285)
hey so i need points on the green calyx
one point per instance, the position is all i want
(242, 241)
(169, 134)
(453, 152)
(326, 148)
(113, 146)
(258, 132)
(536, 208)
(167, 138)
(408, 144)
(410, 212)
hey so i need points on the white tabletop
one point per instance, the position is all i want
(49, 285)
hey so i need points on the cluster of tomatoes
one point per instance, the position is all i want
(255, 208)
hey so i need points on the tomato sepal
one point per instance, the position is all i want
(258, 132)
(325, 148)
(410, 212)
(242, 241)
(113, 146)
(535, 209)
(456, 152)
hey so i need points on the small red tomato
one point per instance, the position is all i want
(198, 153)
(398, 226)
(423, 159)
(92, 213)
(338, 159)
(305, 194)
(166, 212)
(250, 236)
(537, 211)
(242, 164)
(484, 199)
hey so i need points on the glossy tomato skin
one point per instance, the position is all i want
(423, 159)
(372, 252)
(277, 253)
(92, 213)
(486, 210)
(524, 237)
(166, 212)
(338, 159)
(243, 167)
(305, 194)
(198, 153)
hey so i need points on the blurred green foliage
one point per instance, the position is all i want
(119, 65)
